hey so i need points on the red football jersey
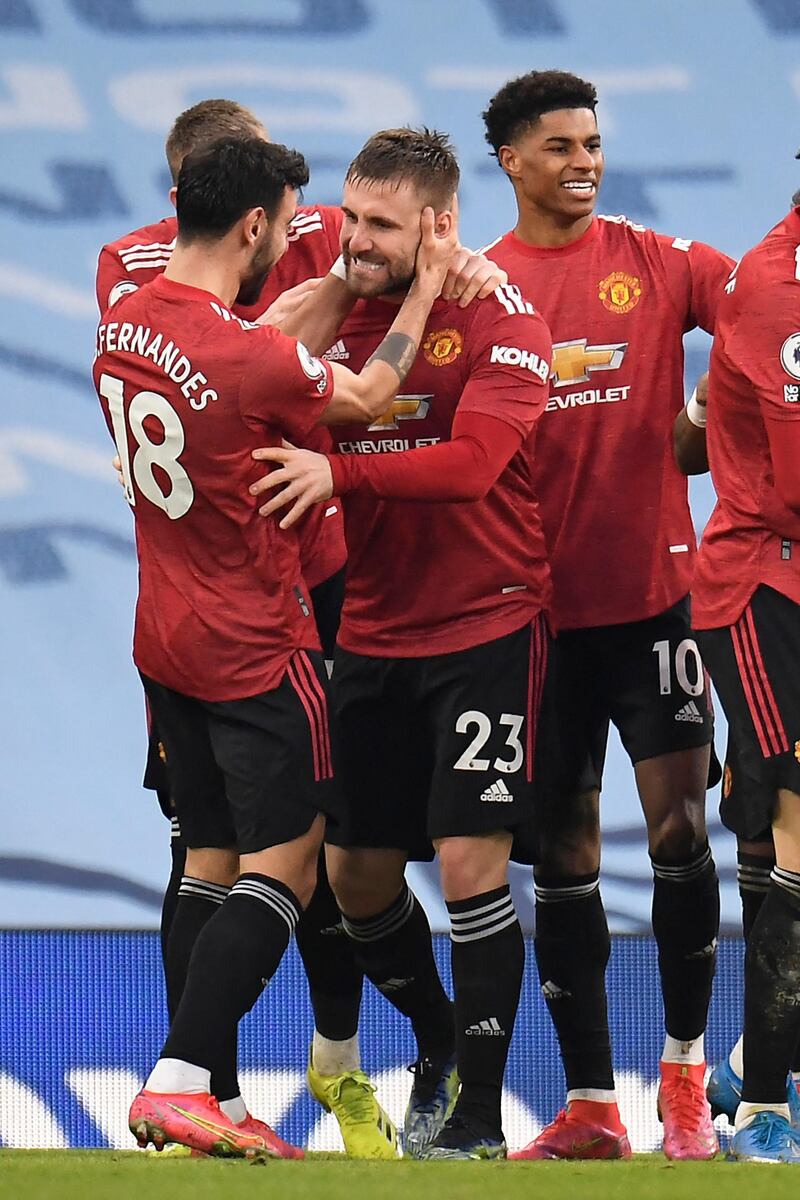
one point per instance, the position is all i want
(614, 505)
(142, 255)
(187, 390)
(429, 578)
(752, 537)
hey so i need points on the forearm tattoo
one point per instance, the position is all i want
(398, 351)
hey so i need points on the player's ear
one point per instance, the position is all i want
(447, 220)
(509, 160)
(173, 195)
(254, 223)
(443, 223)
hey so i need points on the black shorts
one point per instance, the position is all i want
(251, 773)
(739, 792)
(327, 599)
(155, 770)
(646, 677)
(437, 747)
(755, 666)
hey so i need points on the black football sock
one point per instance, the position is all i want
(686, 924)
(488, 957)
(236, 954)
(752, 875)
(572, 951)
(334, 978)
(198, 900)
(395, 952)
(772, 992)
(177, 850)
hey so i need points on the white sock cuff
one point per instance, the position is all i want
(689, 1053)
(335, 1057)
(175, 1075)
(747, 1112)
(596, 1095)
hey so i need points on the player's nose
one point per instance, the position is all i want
(360, 242)
(582, 159)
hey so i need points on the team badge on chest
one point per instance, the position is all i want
(443, 347)
(620, 292)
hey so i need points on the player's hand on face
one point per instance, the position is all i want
(435, 250)
(303, 475)
(471, 276)
(287, 303)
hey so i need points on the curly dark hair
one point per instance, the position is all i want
(424, 157)
(521, 102)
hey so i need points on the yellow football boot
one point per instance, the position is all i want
(367, 1131)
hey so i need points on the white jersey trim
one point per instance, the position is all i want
(144, 248)
(161, 261)
(622, 220)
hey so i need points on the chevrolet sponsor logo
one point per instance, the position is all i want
(404, 408)
(573, 361)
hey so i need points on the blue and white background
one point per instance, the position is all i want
(700, 113)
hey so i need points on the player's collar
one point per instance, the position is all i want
(531, 251)
(172, 290)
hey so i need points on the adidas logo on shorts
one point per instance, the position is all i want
(337, 353)
(498, 793)
(488, 1028)
(690, 712)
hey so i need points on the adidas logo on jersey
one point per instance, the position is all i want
(690, 712)
(489, 1028)
(337, 353)
(498, 793)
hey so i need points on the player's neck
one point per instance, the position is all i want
(537, 228)
(197, 267)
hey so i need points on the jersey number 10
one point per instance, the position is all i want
(148, 454)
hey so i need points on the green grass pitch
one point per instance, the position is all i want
(109, 1175)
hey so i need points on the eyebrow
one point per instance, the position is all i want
(348, 212)
(555, 137)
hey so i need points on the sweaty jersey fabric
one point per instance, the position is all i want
(187, 389)
(141, 256)
(614, 505)
(752, 537)
(427, 578)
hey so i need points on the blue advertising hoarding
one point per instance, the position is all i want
(83, 1019)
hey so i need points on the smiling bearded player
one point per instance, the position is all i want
(334, 1070)
(442, 647)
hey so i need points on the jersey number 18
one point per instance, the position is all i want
(148, 454)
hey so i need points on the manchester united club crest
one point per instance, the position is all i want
(620, 292)
(797, 750)
(727, 782)
(443, 347)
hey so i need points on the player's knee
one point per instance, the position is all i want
(471, 866)
(305, 882)
(571, 847)
(361, 884)
(679, 834)
(568, 857)
(213, 865)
